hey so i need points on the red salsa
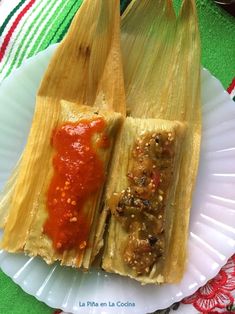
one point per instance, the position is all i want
(78, 173)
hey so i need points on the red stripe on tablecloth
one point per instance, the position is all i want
(13, 27)
(231, 87)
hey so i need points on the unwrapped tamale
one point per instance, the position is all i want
(140, 194)
(59, 185)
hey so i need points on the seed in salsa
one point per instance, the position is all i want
(78, 174)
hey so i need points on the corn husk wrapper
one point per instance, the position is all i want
(24, 229)
(79, 72)
(117, 236)
(6, 195)
(161, 56)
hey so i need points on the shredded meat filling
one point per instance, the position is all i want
(140, 208)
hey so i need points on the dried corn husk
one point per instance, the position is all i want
(161, 57)
(6, 195)
(84, 58)
(79, 72)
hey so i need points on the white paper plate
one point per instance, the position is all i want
(212, 232)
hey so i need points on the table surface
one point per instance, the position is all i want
(217, 30)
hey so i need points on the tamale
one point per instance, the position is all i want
(161, 58)
(79, 72)
(141, 198)
(25, 230)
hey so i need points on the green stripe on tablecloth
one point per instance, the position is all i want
(52, 24)
(16, 44)
(59, 35)
(39, 18)
(62, 25)
(2, 28)
(65, 22)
